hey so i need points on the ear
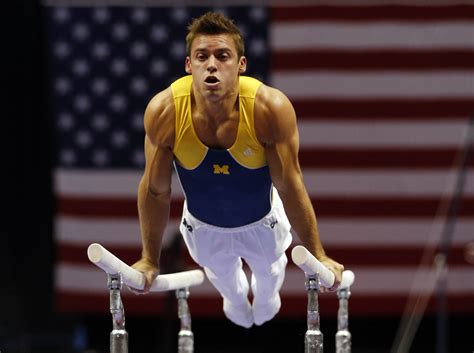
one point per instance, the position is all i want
(242, 64)
(187, 65)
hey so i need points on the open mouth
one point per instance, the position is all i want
(211, 80)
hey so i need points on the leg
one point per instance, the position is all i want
(230, 280)
(266, 284)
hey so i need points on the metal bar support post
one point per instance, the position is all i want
(343, 336)
(118, 336)
(185, 335)
(313, 337)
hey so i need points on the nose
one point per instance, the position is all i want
(211, 64)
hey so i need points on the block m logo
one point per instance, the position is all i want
(221, 170)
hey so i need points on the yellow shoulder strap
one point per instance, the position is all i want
(188, 149)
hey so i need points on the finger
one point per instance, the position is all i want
(337, 278)
(136, 291)
(335, 286)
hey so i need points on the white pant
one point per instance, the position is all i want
(220, 251)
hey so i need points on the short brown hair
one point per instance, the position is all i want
(214, 23)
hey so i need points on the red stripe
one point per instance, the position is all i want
(393, 256)
(372, 13)
(342, 60)
(382, 207)
(292, 306)
(382, 157)
(399, 109)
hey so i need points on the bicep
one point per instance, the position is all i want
(158, 168)
(282, 148)
(159, 138)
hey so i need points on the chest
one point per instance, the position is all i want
(216, 134)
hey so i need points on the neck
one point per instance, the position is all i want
(217, 109)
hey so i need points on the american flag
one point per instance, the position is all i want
(382, 93)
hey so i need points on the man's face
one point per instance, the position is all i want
(215, 65)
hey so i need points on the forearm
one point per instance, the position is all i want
(301, 215)
(153, 213)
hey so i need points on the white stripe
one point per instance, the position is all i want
(388, 281)
(384, 281)
(387, 232)
(375, 133)
(334, 232)
(371, 35)
(104, 183)
(319, 182)
(378, 183)
(320, 84)
(107, 232)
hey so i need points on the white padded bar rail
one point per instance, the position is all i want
(311, 265)
(111, 264)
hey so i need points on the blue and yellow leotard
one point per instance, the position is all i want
(225, 188)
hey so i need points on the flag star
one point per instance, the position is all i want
(100, 122)
(65, 121)
(138, 158)
(119, 139)
(119, 67)
(257, 47)
(101, 15)
(80, 67)
(83, 138)
(67, 157)
(158, 33)
(63, 85)
(179, 14)
(139, 85)
(243, 29)
(120, 31)
(100, 50)
(100, 157)
(139, 50)
(178, 49)
(159, 67)
(118, 102)
(257, 14)
(80, 31)
(140, 16)
(222, 10)
(100, 86)
(137, 121)
(82, 103)
(61, 15)
(62, 50)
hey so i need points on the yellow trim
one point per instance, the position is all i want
(247, 150)
(188, 148)
(190, 151)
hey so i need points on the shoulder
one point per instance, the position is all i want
(160, 117)
(275, 117)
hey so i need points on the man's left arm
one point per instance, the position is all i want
(277, 129)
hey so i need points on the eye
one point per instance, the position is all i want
(200, 56)
(224, 56)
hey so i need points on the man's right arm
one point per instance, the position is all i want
(154, 190)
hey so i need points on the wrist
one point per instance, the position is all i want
(151, 259)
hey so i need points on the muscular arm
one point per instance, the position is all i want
(154, 190)
(277, 130)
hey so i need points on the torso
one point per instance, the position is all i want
(220, 162)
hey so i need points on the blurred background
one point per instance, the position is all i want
(383, 92)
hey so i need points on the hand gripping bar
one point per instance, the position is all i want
(111, 264)
(311, 265)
